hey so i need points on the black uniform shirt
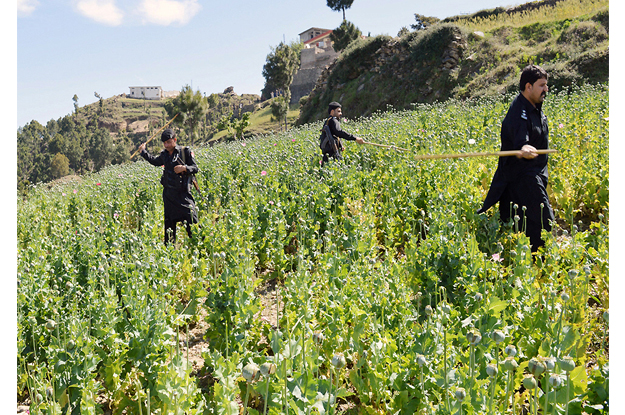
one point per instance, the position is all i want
(170, 179)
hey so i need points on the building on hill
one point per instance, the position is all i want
(146, 92)
(317, 54)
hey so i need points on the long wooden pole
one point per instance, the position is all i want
(462, 155)
(484, 154)
(156, 133)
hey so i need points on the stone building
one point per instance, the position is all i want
(317, 54)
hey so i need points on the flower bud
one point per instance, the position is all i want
(421, 360)
(550, 362)
(564, 296)
(491, 370)
(510, 364)
(318, 337)
(498, 336)
(536, 366)
(50, 325)
(529, 382)
(267, 369)
(478, 296)
(567, 363)
(428, 310)
(460, 394)
(606, 316)
(338, 361)
(251, 372)
(474, 337)
(555, 380)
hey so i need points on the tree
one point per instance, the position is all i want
(192, 108)
(423, 22)
(75, 99)
(101, 148)
(59, 166)
(101, 102)
(280, 68)
(339, 5)
(241, 124)
(343, 35)
(279, 110)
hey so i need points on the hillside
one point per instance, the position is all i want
(461, 57)
(467, 57)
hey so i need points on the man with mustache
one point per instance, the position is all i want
(520, 183)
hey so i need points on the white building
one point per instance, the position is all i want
(146, 92)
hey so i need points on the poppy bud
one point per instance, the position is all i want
(536, 366)
(491, 370)
(267, 369)
(421, 360)
(460, 394)
(567, 363)
(510, 350)
(529, 382)
(510, 364)
(555, 380)
(251, 372)
(338, 361)
(498, 336)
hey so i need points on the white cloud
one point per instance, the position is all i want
(102, 11)
(166, 12)
(26, 7)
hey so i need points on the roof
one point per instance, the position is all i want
(313, 28)
(314, 39)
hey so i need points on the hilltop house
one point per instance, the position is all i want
(146, 92)
(317, 54)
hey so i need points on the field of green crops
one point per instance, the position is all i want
(392, 295)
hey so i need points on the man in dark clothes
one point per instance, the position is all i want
(334, 149)
(176, 180)
(520, 183)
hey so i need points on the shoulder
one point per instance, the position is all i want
(518, 111)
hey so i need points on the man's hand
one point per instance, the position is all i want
(360, 140)
(142, 147)
(527, 152)
(180, 168)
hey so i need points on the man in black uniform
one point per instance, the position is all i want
(176, 180)
(333, 149)
(520, 183)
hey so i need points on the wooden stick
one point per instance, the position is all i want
(386, 146)
(485, 154)
(462, 155)
(156, 133)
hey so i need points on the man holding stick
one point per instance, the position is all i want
(334, 147)
(520, 183)
(179, 166)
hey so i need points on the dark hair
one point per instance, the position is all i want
(333, 105)
(167, 134)
(531, 74)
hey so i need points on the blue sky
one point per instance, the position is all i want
(67, 47)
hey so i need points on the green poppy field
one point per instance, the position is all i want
(367, 286)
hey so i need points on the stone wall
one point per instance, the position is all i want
(303, 82)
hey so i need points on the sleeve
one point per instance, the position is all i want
(514, 132)
(192, 167)
(335, 129)
(153, 160)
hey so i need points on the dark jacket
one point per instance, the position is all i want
(170, 179)
(177, 198)
(523, 124)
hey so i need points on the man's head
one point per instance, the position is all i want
(334, 109)
(533, 84)
(169, 139)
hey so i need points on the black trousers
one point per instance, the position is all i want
(327, 156)
(170, 230)
(528, 193)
